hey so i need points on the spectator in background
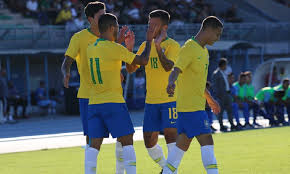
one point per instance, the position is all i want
(64, 15)
(221, 91)
(240, 102)
(15, 100)
(231, 15)
(139, 83)
(3, 97)
(250, 98)
(32, 8)
(42, 101)
(110, 6)
(79, 22)
(208, 109)
(73, 11)
(284, 101)
(133, 14)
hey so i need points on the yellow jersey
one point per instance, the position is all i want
(193, 61)
(77, 50)
(156, 76)
(104, 59)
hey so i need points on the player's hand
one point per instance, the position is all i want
(170, 89)
(214, 105)
(151, 32)
(130, 40)
(161, 37)
(66, 80)
(121, 36)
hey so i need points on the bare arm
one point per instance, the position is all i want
(144, 57)
(171, 81)
(165, 62)
(212, 102)
(65, 69)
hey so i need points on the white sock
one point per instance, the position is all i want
(209, 160)
(170, 147)
(156, 153)
(120, 169)
(173, 160)
(91, 160)
(129, 159)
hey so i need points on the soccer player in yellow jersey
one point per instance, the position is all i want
(77, 51)
(190, 71)
(160, 109)
(108, 112)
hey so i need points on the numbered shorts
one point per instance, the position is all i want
(83, 104)
(108, 118)
(193, 123)
(159, 116)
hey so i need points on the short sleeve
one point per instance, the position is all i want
(73, 48)
(172, 52)
(124, 54)
(141, 48)
(184, 58)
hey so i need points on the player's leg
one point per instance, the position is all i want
(169, 118)
(97, 130)
(120, 168)
(246, 114)
(270, 113)
(120, 126)
(280, 114)
(207, 153)
(151, 127)
(221, 114)
(188, 126)
(236, 114)
(228, 107)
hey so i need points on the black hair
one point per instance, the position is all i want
(242, 75)
(222, 62)
(162, 14)
(211, 21)
(106, 21)
(94, 7)
(285, 80)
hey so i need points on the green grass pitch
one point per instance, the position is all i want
(264, 151)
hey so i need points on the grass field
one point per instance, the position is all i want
(264, 151)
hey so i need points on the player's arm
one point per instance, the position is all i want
(165, 62)
(213, 104)
(144, 57)
(172, 79)
(65, 69)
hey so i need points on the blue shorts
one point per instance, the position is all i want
(108, 118)
(193, 123)
(159, 116)
(83, 104)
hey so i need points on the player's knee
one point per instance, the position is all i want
(150, 139)
(170, 135)
(126, 140)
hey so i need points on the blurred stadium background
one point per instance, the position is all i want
(34, 35)
(33, 40)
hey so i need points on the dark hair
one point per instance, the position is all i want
(247, 73)
(211, 21)
(222, 62)
(106, 21)
(162, 14)
(94, 7)
(286, 80)
(231, 74)
(242, 75)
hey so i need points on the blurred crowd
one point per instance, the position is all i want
(284, 2)
(61, 12)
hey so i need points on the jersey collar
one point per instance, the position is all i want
(90, 31)
(197, 42)
(98, 40)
